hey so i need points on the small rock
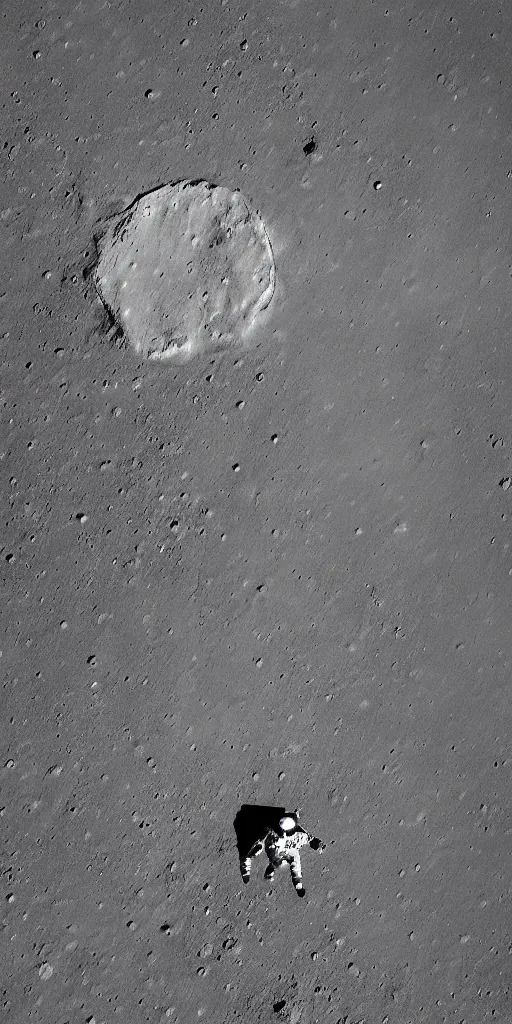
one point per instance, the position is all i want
(45, 971)
(206, 950)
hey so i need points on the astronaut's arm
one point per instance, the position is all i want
(245, 862)
(256, 848)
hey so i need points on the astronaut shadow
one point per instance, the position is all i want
(251, 822)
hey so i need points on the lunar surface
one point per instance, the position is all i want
(256, 559)
(187, 269)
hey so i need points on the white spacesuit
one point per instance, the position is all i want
(282, 845)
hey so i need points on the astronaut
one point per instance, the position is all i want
(282, 845)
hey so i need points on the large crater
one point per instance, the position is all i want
(186, 269)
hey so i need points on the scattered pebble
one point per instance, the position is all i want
(401, 528)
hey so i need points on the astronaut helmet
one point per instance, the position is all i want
(287, 824)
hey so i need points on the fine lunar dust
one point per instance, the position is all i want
(187, 268)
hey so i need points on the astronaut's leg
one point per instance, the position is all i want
(271, 867)
(296, 872)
